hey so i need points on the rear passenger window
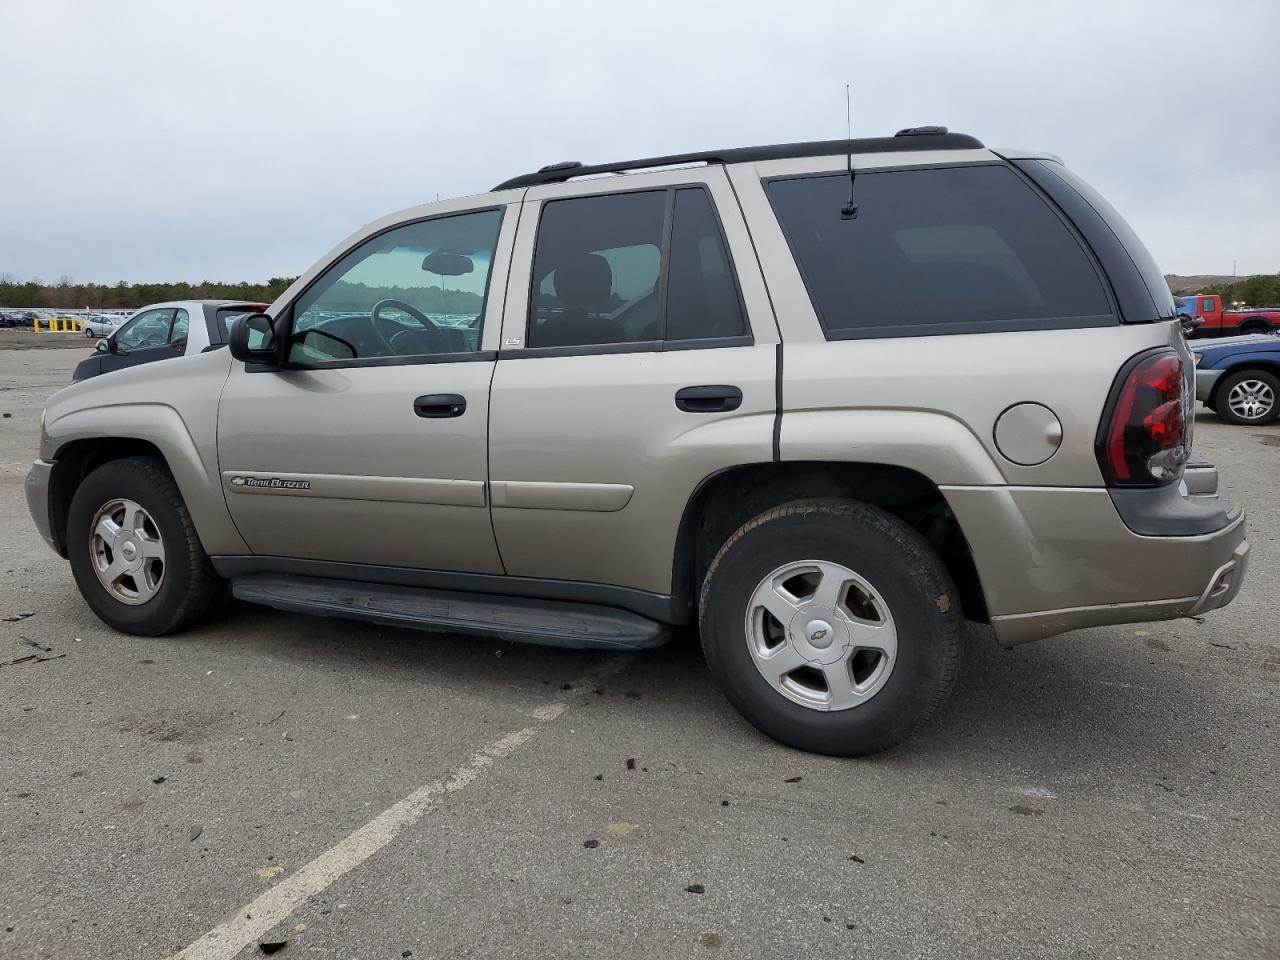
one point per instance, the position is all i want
(598, 276)
(935, 251)
(702, 297)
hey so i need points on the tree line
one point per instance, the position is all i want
(66, 294)
(1259, 291)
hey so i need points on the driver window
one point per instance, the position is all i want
(150, 329)
(416, 290)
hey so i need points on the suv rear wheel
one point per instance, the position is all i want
(831, 625)
(134, 550)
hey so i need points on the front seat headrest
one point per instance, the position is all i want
(584, 280)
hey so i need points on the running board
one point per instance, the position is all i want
(555, 623)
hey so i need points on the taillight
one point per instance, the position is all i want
(1143, 442)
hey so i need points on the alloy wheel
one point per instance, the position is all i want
(127, 551)
(821, 635)
(1251, 399)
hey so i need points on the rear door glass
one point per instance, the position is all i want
(702, 295)
(633, 268)
(952, 250)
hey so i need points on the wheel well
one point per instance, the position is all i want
(725, 501)
(1271, 368)
(1250, 324)
(77, 460)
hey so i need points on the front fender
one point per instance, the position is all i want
(193, 465)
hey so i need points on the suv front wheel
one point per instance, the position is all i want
(831, 625)
(134, 550)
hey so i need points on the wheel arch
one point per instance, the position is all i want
(1249, 324)
(1244, 366)
(81, 441)
(725, 500)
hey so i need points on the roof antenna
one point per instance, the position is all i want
(850, 210)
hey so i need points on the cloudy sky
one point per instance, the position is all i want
(241, 139)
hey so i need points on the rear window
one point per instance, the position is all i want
(954, 250)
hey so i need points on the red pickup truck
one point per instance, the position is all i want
(1227, 323)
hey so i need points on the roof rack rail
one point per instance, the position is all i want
(911, 138)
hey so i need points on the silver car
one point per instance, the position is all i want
(822, 400)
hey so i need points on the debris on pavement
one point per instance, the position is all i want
(272, 946)
(591, 844)
(194, 833)
(856, 859)
(793, 779)
(598, 776)
(15, 617)
(159, 779)
(695, 888)
(32, 643)
(631, 763)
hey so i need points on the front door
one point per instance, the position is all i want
(639, 358)
(369, 447)
(152, 335)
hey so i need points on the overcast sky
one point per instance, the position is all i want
(241, 140)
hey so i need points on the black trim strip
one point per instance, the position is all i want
(656, 606)
(646, 346)
(777, 413)
(974, 326)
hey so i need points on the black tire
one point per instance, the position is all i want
(889, 555)
(1222, 404)
(1250, 327)
(189, 587)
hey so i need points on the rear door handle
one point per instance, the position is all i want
(439, 405)
(711, 398)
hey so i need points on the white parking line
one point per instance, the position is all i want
(256, 919)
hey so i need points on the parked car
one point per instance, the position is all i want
(1218, 322)
(102, 325)
(1239, 379)
(808, 397)
(163, 331)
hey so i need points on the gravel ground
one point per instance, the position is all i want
(363, 792)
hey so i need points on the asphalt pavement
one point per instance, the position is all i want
(363, 792)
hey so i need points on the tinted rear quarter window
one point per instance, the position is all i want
(935, 251)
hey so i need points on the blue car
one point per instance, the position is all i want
(1239, 378)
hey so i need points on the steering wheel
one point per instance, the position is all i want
(376, 317)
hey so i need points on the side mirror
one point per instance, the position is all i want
(1189, 324)
(253, 339)
(103, 345)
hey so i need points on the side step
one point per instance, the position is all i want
(555, 623)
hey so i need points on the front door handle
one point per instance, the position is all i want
(439, 405)
(712, 398)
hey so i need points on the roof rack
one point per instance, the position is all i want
(912, 138)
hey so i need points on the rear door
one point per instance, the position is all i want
(639, 357)
(369, 447)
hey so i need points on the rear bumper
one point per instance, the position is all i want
(37, 487)
(1053, 560)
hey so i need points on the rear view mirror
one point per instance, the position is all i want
(253, 339)
(447, 264)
